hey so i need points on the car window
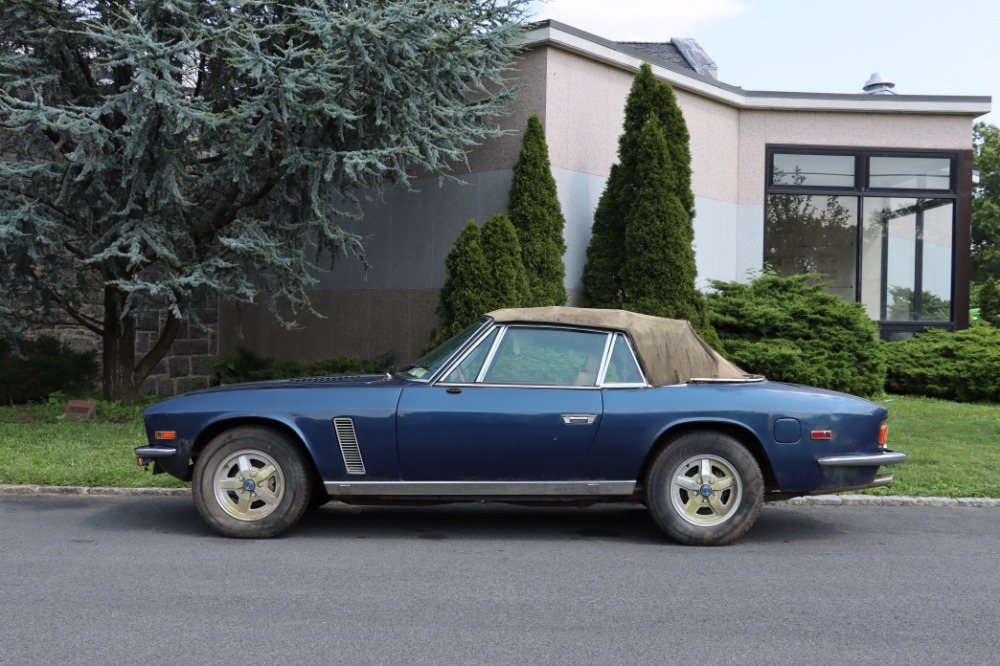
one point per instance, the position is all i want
(468, 370)
(547, 357)
(433, 360)
(622, 368)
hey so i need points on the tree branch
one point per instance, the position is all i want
(159, 350)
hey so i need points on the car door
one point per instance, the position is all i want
(521, 405)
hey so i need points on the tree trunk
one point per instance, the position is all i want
(120, 382)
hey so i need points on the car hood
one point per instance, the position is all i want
(297, 383)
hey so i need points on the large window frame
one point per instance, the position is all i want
(958, 193)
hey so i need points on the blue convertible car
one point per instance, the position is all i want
(526, 405)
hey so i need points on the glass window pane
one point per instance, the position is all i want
(468, 369)
(432, 361)
(547, 357)
(622, 368)
(911, 173)
(814, 234)
(813, 170)
(906, 259)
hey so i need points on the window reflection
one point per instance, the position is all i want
(906, 259)
(813, 170)
(909, 173)
(814, 234)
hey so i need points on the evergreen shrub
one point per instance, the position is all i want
(246, 365)
(962, 366)
(989, 302)
(32, 369)
(789, 329)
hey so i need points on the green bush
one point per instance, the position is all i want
(963, 366)
(789, 329)
(989, 302)
(32, 369)
(245, 365)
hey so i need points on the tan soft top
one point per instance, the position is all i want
(669, 349)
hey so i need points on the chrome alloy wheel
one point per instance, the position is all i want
(248, 484)
(705, 490)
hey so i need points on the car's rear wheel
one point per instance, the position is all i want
(251, 482)
(705, 489)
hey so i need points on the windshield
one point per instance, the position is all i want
(432, 361)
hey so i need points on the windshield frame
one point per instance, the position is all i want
(426, 368)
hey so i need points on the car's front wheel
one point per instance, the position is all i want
(705, 489)
(251, 482)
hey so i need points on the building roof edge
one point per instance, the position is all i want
(566, 37)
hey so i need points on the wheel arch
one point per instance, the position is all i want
(737, 431)
(216, 428)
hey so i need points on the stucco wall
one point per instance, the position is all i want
(581, 102)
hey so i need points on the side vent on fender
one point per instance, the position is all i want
(348, 440)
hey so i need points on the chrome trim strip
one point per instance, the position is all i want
(578, 419)
(347, 437)
(155, 451)
(602, 369)
(490, 354)
(863, 460)
(480, 488)
(628, 345)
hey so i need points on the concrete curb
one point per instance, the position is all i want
(33, 489)
(816, 500)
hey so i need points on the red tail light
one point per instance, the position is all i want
(883, 435)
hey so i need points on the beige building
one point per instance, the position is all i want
(873, 190)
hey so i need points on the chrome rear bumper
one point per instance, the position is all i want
(863, 460)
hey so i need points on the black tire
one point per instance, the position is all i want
(700, 509)
(252, 482)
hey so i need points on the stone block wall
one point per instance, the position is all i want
(185, 367)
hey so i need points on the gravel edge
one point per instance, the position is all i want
(816, 500)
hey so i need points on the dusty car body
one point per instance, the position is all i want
(526, 405)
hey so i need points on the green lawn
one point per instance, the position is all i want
(38, 447)
(953, 448)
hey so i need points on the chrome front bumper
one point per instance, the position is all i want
(147, 454)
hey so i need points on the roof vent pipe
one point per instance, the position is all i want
(878, 84)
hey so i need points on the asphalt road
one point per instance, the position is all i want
(140, 580)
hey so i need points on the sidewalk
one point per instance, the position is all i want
(817, 500)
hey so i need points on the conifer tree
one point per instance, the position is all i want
(535, 211)
(641, 255)
(151, 151)
(467, 285)
(659, 272)
(509, 282)
(606, 252)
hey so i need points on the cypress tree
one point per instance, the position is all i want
(535, 212)
(641, 254)
(606, 252)
(464, 296)
(509, 284)
(659, 271)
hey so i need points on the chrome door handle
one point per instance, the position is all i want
(579, 419)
